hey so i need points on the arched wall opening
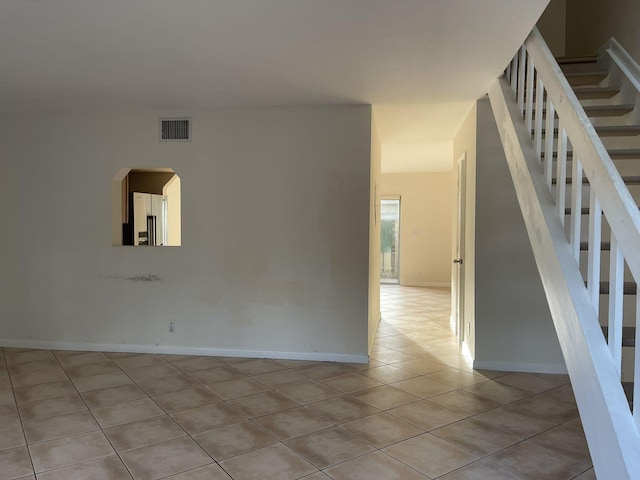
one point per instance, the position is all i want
(146, 207)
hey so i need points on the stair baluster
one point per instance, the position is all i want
(575, 221)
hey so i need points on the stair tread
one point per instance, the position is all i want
(596, 88)
(608, 110)
(627, 179)
(615, 154)
(586, 78)
(618, 130)
(588, 92)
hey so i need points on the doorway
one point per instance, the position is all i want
(390, 240)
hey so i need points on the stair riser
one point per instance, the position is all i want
(604, 268)
(628, 355)
(584, 229)
(628, 335)
(595, 95)
(633, 189)
(606, 132)
(585, 66)
(615, 114)
(629, 181)
(628, 308)
(621, 158)
(621, 143)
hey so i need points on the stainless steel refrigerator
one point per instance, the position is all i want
(149, 219)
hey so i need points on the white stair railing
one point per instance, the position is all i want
(526, 118)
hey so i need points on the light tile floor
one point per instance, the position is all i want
(417, 411)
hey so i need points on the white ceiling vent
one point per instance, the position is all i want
(175, 129)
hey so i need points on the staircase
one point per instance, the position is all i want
(612, 112)
(571, 134)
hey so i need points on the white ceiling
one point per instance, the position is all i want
(191, 54)
(417, 157)
(418, 138)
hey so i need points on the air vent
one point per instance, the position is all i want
(175, 129)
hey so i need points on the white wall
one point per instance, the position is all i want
(425, 226)
(590, 23)
(275, 228)
(513, 325)
(553, 27)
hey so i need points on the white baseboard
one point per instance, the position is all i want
(520, 367)
(428, 284)
(177, 350)
(466, 352)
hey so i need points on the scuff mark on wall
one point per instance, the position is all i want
(148, 277)
(137, 278)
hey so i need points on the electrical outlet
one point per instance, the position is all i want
(172, 326)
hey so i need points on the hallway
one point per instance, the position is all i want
(500, 425)
(416, 412)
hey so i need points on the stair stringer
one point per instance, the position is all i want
(612, 435)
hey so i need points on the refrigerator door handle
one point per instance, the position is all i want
(151, 229)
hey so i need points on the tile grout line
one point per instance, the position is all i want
(326, 382)
(15, 399)
(92, 416)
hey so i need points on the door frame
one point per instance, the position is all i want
(458, 265)
(398, 249)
